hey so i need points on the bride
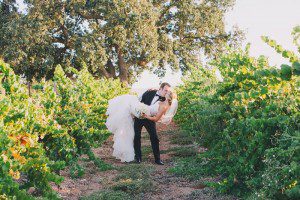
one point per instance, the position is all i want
(120, 121)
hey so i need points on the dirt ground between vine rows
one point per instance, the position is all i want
(168, 185)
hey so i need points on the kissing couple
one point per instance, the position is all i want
(128, 114)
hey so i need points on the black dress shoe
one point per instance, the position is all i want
(159, 162)
(138, 160)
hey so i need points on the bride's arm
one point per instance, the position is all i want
(156, 117)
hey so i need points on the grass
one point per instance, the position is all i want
(145, 135)
(102, 166)
(207, 193)
(132, 181)
(183, 151)
(76, 170)
(182, 138)
(146, 150)
(108, 195)
(134, 187)
(168, 132)
(188, 164)
(191, 168)
(137, 171)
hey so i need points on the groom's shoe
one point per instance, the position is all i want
(138, 160)
(159, 162)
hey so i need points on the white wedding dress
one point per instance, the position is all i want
(121, 112)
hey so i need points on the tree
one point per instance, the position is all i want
(116, 39)
(296, 37)
(7, 11)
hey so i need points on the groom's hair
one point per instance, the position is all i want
(164, 84)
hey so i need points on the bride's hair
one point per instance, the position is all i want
(169, 97)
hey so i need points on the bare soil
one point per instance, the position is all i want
(168, 186)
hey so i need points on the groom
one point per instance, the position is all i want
(149, 98)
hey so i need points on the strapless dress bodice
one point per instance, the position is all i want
(154, 109)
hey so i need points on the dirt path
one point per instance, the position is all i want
(167, 185)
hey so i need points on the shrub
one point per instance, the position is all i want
(249, 122)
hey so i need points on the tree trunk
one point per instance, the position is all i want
(122, 67)
(104, 72)
(111, 68)
(29, 88)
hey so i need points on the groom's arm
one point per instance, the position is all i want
(142, 95)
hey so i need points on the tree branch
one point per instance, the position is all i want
(207, 39)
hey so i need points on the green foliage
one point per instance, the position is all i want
(76, 171)
(249, 122)
(115, 38)
(183, 139)
(83, 106)
(296, 35)
(41, 133)
(21, 120)
(196, 108)
(183, 151)
(102, 166)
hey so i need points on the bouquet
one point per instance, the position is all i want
(139, 109)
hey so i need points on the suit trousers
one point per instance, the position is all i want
(151, 128)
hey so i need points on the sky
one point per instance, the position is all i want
(273, 18)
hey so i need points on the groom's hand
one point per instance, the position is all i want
(144, 115)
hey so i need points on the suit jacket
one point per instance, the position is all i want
(148, 97)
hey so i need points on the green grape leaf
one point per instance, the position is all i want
(286, 72)
(286, 54)
(296, 68)
(263, 90)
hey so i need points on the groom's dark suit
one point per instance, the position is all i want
(150, 126)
